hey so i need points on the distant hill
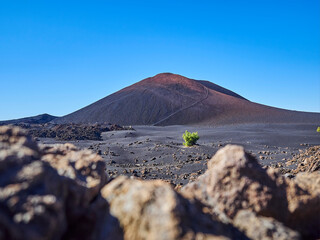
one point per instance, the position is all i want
(171, 99)
(39, 119)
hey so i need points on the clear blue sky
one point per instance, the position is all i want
(59, 56)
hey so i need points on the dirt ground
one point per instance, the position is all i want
(152, 152)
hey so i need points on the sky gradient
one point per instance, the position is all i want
(59, 56)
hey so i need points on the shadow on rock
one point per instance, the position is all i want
(235, 181)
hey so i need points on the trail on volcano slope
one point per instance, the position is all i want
(184, 108)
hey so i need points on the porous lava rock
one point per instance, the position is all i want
(303, 197)
(60, 192)
(50, 193)
(259, 227)
(307, 160)
(72, 132)
(153, 210)
(235, 181)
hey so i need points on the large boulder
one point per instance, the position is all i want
(60, 192)
(51, 192)
(153, 210)
(235, 181)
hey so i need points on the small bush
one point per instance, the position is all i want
(190, 138)
(318, 129)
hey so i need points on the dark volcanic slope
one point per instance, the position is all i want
(39, 119)
(220, 89)
(170, 99)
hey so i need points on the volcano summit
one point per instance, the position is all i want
(171, 99)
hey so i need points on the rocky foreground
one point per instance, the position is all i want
(63, 193)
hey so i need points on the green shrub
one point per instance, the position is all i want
(190, 138)
(318, 129)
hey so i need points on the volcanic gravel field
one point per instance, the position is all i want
(150, 152)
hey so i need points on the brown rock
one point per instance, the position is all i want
(303, 194)
(234, 181)
(59, 192)
(84, 175)
(31, 206)
(258, 227)
(153, 210)
(50, 193)
(84, 169)
(307, 160)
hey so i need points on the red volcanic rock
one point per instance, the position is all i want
(171, 99)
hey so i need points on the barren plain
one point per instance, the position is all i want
(151, 152)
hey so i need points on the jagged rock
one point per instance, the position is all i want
(153, 210)
(31, 205)
(71, 131)
(50, 193)
(258, 227)
(307, 160)
(235, 181)
(81, 168)
(84, 174)
(303, 195)
(59, 192)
